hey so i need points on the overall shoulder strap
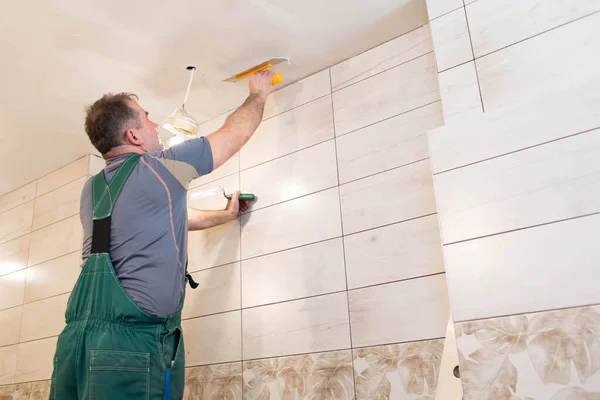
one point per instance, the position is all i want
(104, 196)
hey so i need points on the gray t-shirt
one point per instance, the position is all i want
(148, 234)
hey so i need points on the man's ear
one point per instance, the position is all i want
(133, 137)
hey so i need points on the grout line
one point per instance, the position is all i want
(527, 312)
(446, 13)
(385, 170)
(215, 266)
(299, 105)
(55, 222)
(191, 189)
(456, 66)
(412, 278)
(516, 151)
(474, 60)
(390, 224)
(522, 229)
(35, 340)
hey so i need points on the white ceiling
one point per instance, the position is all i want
(60, 55)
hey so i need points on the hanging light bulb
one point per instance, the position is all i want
(180, 121)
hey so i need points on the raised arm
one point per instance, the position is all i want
(242, 123)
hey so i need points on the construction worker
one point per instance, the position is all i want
(123, 337)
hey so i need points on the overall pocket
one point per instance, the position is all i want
(116, 375)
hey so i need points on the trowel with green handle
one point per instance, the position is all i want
(218, 190)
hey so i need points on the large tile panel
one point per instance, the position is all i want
(460, 91)
(436, 8)
(52, 277)
(541, 268)
(16, 222)
(300, 326)
(35, 360)
(215, 246)
(213, 339)
(218, 291)
(376, 98)
(389, 197)
(302, 272)
(14, 254)
(58, 204)
(64, 175)
(56, 240)
(10, 321)
(12, 287)
(415, 309)
(17, 197)
(8, 366)
(44, 318)
(451, 40)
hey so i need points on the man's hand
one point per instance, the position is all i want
(261, 83)
(234, 206)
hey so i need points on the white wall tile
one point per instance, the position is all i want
(298, 93)
(64, 175)
(52, 277)
(415, 309)
(306, 271)
(16, 222)
(35, 360)
(95, 164)
(17, 197)
(213, 124)
(10, 321)
(460, 91)
(12, 287)
(8, 366)
(300, 326)
(294, 223)
(435, 8)
(381, 58)
(514, 127)
(44, 318)
(387, 144)
(213, 339)
(231, 166)
(297, 129)
(376, 98)
(218, 291)
(547, 183)
(292, 176)
(500, 23)
(56, 240)
(58, 204)
(14, 254)
(546, 267)
(389, 197)
(215, 246)
(230, 183)
(400, 251)
(451, 40)
(562, 59)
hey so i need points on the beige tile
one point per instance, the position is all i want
(392, 253)
(16, 222)
(14, 254)
(436, 8)
(497, 24)
(64, 175)
(44, 318)
(95, 164)
(297, 129)
(52, 277)
(547, 267)
(381, 58)
(231, 166)
(17, 197)
(376, 98)
(218, 202)
(58, 204)
(12, 287)
(306, 271)
(213, 339)
(8, 364)
(56, 240)
(389, 197)
(449, 388)
(294, 223)
(36, 360)
(561, 59)
(460, 91)
(10, 321)
(388, 144)
(213, 124)
(398, 371)
(30, 390)
(451, 40)
(215, 246)
(213, 381)
(555, 181)
(219, 291)
(298, 93)
(415, 309)
(514, 127)
(294, 175)
(300, 326)
(321, 376)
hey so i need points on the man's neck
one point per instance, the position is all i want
(120, 150)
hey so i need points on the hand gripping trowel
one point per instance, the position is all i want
(277, 78)
(220, 191)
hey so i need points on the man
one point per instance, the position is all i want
(123, 335)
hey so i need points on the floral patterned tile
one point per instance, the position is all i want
(407, 371)
(214, 382)
(313, 376)
(540, 356)
(26, 391)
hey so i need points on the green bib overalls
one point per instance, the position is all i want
(111, 349)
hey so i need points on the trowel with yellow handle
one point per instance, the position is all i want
(277, 78)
